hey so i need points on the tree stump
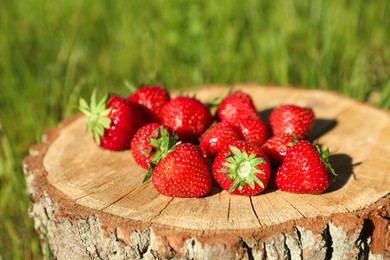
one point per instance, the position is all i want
(89, 203)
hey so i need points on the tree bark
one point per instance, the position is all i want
(90, 203)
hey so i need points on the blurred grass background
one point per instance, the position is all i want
(53, 52)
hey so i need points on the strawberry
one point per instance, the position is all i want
(253, 130)
(188, 117)
(305, 169)
(292, 120)
(149, 100)
(148, 140)
(217, 137)
(236, 106)
(182, 172)
(242, 168)
(113, 123)
(276, 148)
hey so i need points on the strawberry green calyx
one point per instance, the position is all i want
(242, 168)
(162, 144)
(324, 157)
(97, 116)
(294, 141)
(214, 104)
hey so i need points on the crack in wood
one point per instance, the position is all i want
(327, 238)
(249, 249)
(264, 251)
(115, 201)
(287, 251)
(292, 205)
(299, 238)
(363, 242)
(90, 193)
(254, 211)
(161, 211)
(228, 211)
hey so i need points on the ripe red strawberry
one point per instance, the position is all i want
(253, 130)
(149, 140)
(242, 168)
(218, 136)
(182, 172)
(292, 120)
(305, 169)
(236, 106)
(149, 100)
(113, 123)
(188, 117)
(276, 148)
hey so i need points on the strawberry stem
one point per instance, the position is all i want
(214, 104)
(97, 116)
(241, 168)
(294, 141)
(162, 144)
(324, 155)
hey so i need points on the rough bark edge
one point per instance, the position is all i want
(58, 218)
(92, 236)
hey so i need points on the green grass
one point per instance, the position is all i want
(53, 52)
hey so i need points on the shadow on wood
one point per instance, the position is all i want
(321, 127)
(342, 165)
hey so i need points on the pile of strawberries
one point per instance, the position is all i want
(185, 147)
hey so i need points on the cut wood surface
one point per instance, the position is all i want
(92, 203)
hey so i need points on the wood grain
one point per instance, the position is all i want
(358, 136)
